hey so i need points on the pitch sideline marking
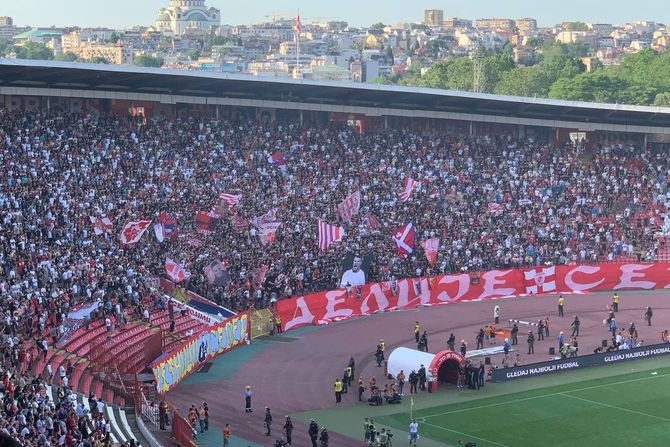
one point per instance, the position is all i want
(466, 435)
(462, 410)
(615, 407)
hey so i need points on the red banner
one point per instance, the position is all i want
(326, 307)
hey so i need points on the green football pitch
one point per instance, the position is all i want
(623, 410)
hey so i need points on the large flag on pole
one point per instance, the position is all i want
(350, 206)
(133, 231)
(404, 240)
(410, 184)
(329, 234)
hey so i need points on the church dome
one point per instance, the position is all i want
(197, 17)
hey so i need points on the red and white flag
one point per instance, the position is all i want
(101, 225)
(430, 247)
(133, 231)
(495, 208)
(193, 241)
(329, 234)
(350, 206)
(267, 236)
(231, 199)
(404, 240)
(239, 223)
(410, 184)
(267, 221)
(371, 222)
(540, 280)
(259, 276)
(175, 271)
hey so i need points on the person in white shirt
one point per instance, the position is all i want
(413, 432)
(354, 276)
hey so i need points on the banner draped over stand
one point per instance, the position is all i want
(326, 307)
(222, 337)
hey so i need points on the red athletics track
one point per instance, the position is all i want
(299, 376)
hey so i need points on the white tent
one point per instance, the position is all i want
(409, 360)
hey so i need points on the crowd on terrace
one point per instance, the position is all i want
(559, 204)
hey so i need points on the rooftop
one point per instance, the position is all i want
(123, 78)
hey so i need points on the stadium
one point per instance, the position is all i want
(180, 248)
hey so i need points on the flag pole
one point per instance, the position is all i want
(297, 48)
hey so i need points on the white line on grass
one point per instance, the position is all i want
(615, 407)
(465, 434)
(462, 410)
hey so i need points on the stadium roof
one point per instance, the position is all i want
(123, 78)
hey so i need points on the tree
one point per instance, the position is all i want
(215, 40)
(436, 76)
(594, 87)
(193, 54)
(662, 99)
(378, 25)
(68, 56)
(561, 66)
(5, 47)
(115, 37)
(146, 60)
(524, 81)
(494, 67)
(577, 26)
(552, 48)
(535, 42)
(33, 50)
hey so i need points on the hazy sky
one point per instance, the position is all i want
(122, 13)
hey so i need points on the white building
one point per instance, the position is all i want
(185, 15)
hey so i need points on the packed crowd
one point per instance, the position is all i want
(558, 205)
(31, 418)
(61, 169)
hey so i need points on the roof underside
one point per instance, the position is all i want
(133, 79)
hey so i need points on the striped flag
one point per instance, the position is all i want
(231, 199)
(410, 184)
(495, 208)
(329, 234)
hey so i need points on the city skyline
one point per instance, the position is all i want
(86, 13)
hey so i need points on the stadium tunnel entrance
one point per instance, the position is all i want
(442, 367)
(445, 366)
